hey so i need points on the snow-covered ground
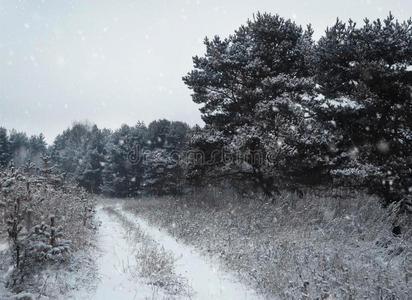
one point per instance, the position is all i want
(3, 245)
(116, 264)
(203, 275)
(4, 270)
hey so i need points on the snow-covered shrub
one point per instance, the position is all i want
(46, 243)
(47, 217)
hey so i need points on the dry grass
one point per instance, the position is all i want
(332, 244)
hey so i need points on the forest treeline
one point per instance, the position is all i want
(280, 110)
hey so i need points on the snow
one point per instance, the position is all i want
(5, 269)
(115, 265)
(341, 102)
(23, 296)
(4, 245)
(204, 276)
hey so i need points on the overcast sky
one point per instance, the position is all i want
(115, 62)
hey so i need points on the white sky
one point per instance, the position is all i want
(115, 62)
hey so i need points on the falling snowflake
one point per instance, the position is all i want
(383, 146)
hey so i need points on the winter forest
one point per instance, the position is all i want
(297, 185)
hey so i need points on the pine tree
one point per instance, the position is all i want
(364, 82)
(68, 149)
(89, 173)
(162, 157)
(38, 147)
(123, 170)
(46, 243)
(19, 147)
(157, 132)
(163, 174)
(255, 87)
(4, 148)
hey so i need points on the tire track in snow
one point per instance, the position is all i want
(116, 263)
(207, 281)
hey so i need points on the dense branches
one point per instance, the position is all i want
(340, 107)
(370, 68)
(44, 217)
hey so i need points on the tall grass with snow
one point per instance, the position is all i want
(331, 244)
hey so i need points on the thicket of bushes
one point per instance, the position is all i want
(46, 217)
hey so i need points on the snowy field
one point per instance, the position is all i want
(174, 248)
(335, 247)
(115, 271)
(168, 248)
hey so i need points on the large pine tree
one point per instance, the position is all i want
(123, 169)
(364, 76)
(254, 87)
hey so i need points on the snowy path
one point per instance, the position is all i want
(114, 282)
(117, 260)
(203, 276)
